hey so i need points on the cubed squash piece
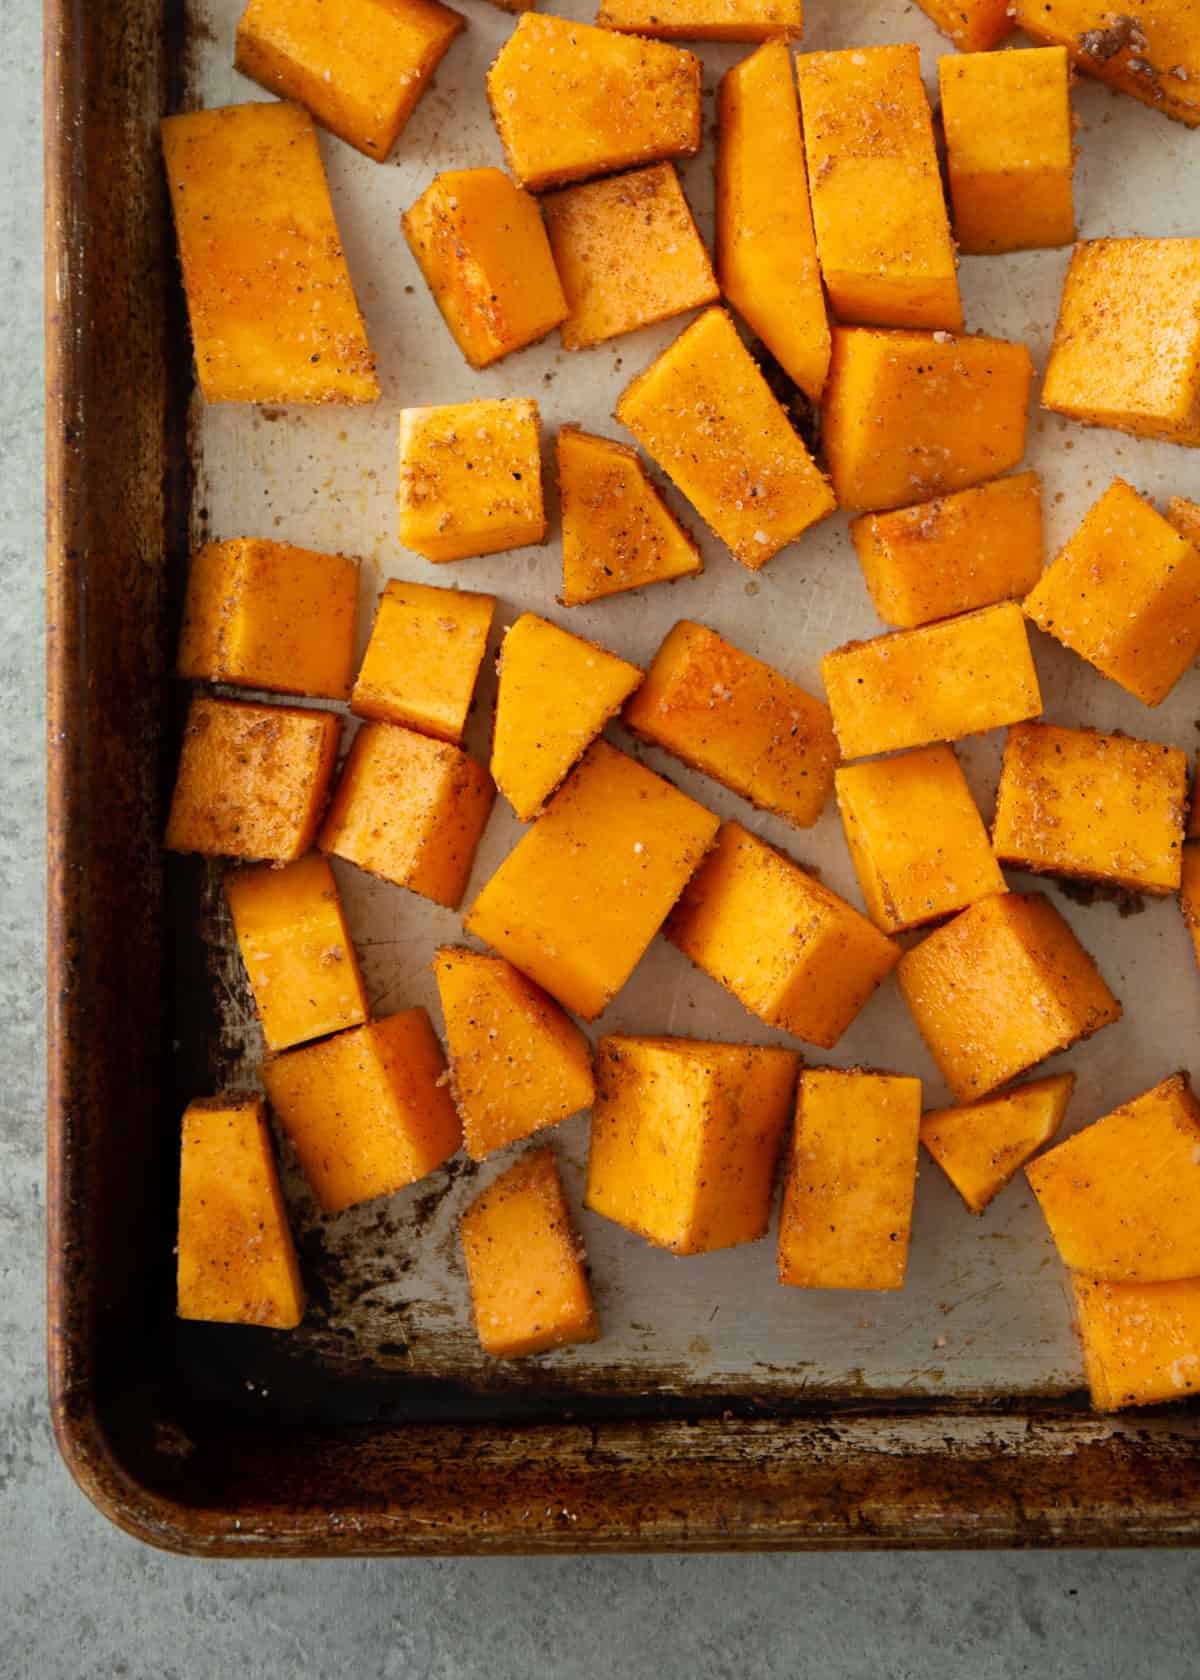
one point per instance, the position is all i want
(792, 952)
(1009, 157)
(272, 309)
(267, 615)
(705, 20)
(517, 1062)
(685, 1135)
(296, 948)
(959, 676)
(974, 26)
(851, 1177)
(910, 416)
(916, 838)
(481, 244)
(981, 1146)
(738, 720)
(628, 254)
(367, 1111)
(1151, 53)
(236, 1263)
(1141, 1341)
(422, 661)
(1189, 894)
(252, 780)
(953, 554)
(706, 415)
(868, 134)
(571, 101)
(617, 532)
(1092, 807)
(1123, 301)
(586, 889)
(471, 478)
(1000, 988)
(525, 1265)
(1122, 1197)
(766, 248)
(555, 694)
(1124, 594)
(360, 69)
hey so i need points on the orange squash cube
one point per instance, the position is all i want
(1000, 988)
(685, 1137)
(738, 720)
(480, 242)
(974, 26)
(471, 478)
(981, 1146)
(766, 248)
(296, 948)
(792, 952)
(705, 414)
(954, 554)
(517, 1062)
(571, 101)
(367, 1111)
(252, 780)
(271, 306)
(555, 694)
(422, 661)
(1122, 1197)
(851, 1177)
(1124, 594)
(915, 837)
(910, 416)
(868, 134)
(525, 1266)
(1189, 894)
(236, 1261)
(705, 20)
(1141, 1341)
(617, 532)
(577, 902)
(1152, 53)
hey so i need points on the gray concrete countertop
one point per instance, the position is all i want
(79, 1599)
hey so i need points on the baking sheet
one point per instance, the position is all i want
(985, 1307)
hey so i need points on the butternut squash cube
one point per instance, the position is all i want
(915, 837)
(555, 694)
(1092, 807)
(1124, 594)
(271, 306)
(705, 20)
(851, 1177)
(586, 889)
(525, 1265)
(1189, 894)
(627, 253)
(868, 133)
(296, 947)
(685, 1135)
(422, 661)
(910, 416)
(1141, 1341)
(960, 676)
(981, 1146)
(705, 414)
(409, 809)
(1000, 988)
(360, 70)
(517, 1062)
(617, 532)
(1122, 1197)
(951, 555)
(1009, 156)
(1153, 53)
(766, 248)
(571, 101)
(480, 242)
(471, 478)
(267, 615)
(792, 952)
(738, 720)
(974, 26)
(252, 780)
(367, 1111)
(1122, 301)
(236, 1260)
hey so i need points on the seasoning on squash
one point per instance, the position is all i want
(422, 661)
(1151, 53)
(982, 1146)
(471, 478)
